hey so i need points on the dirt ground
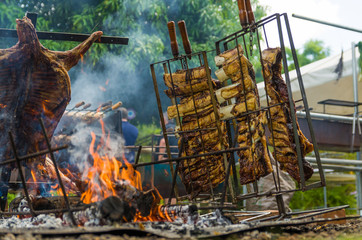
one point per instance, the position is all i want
(351, 230)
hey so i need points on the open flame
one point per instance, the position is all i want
(102, 176)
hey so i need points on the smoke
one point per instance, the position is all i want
(111, 145)
(115, 82)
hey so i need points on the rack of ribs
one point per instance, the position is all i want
(285, 151)
(254, 161)
(199, 130)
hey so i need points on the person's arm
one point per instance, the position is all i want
(162, 149)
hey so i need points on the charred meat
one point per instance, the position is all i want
(285, 151)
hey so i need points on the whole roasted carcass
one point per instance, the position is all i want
(254, 160)
(285, 151)
(34, 83)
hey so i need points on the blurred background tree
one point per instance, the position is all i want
(143, 21)
(312, 51)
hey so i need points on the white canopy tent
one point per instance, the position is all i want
(320, 83)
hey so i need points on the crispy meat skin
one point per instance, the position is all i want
(200, 120)
(245, 75)
(34, 83)
(254, 161)
(187, 105)
(285, 149)
(184, 89)
(192, 87)
(196, 173)
(183, 76)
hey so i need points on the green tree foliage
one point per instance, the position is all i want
(336, 196)
(312, 51)
(143, 21)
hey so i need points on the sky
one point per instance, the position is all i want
(343, 12)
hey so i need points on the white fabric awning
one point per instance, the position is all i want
(320, 83)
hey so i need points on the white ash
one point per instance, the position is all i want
(213, 219)
(23, 206)
(41, 221)
(91, 216)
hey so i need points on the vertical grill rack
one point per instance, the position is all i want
(232, 189)
(168, 66)
(19, 159)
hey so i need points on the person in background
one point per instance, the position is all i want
(130, 134)
(170, 127)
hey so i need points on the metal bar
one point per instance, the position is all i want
(38, 212)
(341, 168)
(13, 146)
(305, 102)
(327, 117)
(336, 161)
(359, 191)
(155, 85)
(174, 177)
(173, 99)
(57, 36)
(137, 157)
(32, 155)
(189, 157)
(327, 23)
(314, 185)
(57, 172)
(321, 212)
(291, 103)
(277, 184)
(248, 113)
(245, 30)
(198, 119)
(355, 90)
(217, 118)
(232, 157)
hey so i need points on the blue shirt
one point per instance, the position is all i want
(130, 134)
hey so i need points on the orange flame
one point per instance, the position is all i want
(106, 171)
(2, 105)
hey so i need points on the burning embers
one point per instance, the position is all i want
(107, 189)
(106, 174)
(102, 181)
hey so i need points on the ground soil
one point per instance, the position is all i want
(351, 230)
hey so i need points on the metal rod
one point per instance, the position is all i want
(189, 157)
(217, 118)
(57, 172)
(327, 23)
(32, 155)
(75, 37)
(305, 102)
(13, 146)
(174, 177)
(37, 212)
(291, 103)
(277, 184)
(198, 120)
(341, 168)
(137, 157)
(232, 158)
(336, 161)
(155, 85)
(322, 211)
